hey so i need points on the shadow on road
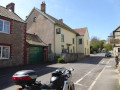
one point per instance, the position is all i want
(91, 60)
(41, 69)
(6, 73)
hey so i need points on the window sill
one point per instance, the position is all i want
(4, 58)
(4, 33)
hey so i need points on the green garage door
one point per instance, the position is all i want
(36, 54)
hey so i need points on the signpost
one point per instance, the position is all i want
(114, 41)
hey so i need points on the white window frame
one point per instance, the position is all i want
(62, 37)
(3, 27)
(2, 51)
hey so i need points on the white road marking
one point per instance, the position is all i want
(102, 61)
(77, 82)
(85, 75)
(91, 86)
(108, 66)
(81, 85)
(119, 81)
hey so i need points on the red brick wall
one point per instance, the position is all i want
(16, 40)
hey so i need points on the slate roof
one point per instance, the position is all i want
(81, 31)
(34, 40)
(9, 14)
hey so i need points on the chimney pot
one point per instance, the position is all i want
(61, 20)
(43, 7)
(10, 6)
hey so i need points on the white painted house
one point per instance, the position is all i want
(83, 44)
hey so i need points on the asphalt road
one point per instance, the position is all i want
(85, 72)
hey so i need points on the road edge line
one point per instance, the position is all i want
(91, 86)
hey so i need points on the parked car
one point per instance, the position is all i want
(107, 54)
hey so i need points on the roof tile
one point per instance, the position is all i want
(34, 40)
(81, 31)
(9, 14)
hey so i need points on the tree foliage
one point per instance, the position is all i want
(96, 45)
(107, 47)
(102, 42)
(94, 40)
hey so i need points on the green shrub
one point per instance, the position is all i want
(61, 60)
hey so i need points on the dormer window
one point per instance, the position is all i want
(34, 19)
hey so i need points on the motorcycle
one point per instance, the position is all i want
(60, 80)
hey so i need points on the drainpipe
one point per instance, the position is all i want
(76, 43)
(54, 41)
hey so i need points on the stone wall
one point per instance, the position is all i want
(72, 56)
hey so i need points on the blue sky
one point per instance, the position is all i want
(101, 17)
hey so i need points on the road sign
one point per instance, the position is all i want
(114, 41)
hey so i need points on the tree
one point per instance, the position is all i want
(94, 44)
(94, 40)
(102, 42)
(96, 47)
(107, 47)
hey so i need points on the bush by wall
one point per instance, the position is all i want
(61, 60)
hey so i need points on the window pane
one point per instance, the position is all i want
(5, 52)
(80, 41)
(34, 19)
(73, 40)
(1, 25)
(62, 38)
(6, 27)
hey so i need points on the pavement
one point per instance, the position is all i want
(108, 79)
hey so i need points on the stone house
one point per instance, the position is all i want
(12, 37)
(83, 44)
(59, 37)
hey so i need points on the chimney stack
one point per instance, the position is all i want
(10, 6)
(61, 20)
(43, 7)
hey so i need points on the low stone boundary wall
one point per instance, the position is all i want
(72, 56)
